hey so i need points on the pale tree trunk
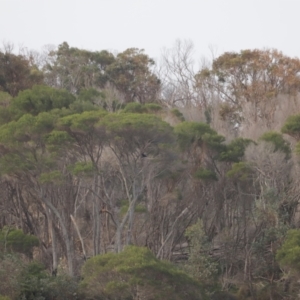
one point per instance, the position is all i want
(130, 223)
(131, 213)
(66, 236)
(53, 240)
(54, 246)
(160, 251)
(96, 213)
(120, 227)
(118, 239)
(79, 236)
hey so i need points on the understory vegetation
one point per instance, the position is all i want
(126, 178)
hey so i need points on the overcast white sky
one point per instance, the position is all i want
(228, 25)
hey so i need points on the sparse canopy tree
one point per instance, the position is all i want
(17, 73)
(74, 69)
(280, 144)
(178, 75)
(87, 138)
(201, 144)
(251, 77)
(138, 142)
(132, 75)
(130, 72)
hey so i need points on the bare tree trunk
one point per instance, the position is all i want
(131, 214)
(54, 248)
(66, 237)
(79, 236)
(118, 240)
(159, 253)
(97, 223)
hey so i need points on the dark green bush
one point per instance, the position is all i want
(36, 283)
(14, 240)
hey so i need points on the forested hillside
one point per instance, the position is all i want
(126, 178)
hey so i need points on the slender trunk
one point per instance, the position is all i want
(79, 236)
(20, 209)
(118, 241)
(159, 253)
(130, 224)
(95, 227)
(27, 214)
(131, 214)
(97, 223)
(66, 237)
(53, 239)
(54, 248)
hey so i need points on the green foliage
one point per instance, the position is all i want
(214, 141)
(189, 133)
(267, 211)
(82, 168)
(205, 174)
(239, 171)
(289, 254)
(57, 143)
(84, 131)
(134, 107)
(5, 100)
(40, 99)
(77, 69)
(15, 240)
(5, 115)
(235, 150)
(153, 107)
(87, 100)
(58, 138)
(137, 122)
(90, 95)
(136, 272)
(278, 141)
(200, 265)
(82, 123)
(14, 163)
(30, 280)
(27, 128)
(292, 126)
(297, 148)
(23, 142)
(130, 132)
(52, 177)
(208, 117)
(81, 106)
(36, 283)
(177, 114)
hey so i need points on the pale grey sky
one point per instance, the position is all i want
(228, 25)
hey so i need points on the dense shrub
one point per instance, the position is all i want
(135, 273)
